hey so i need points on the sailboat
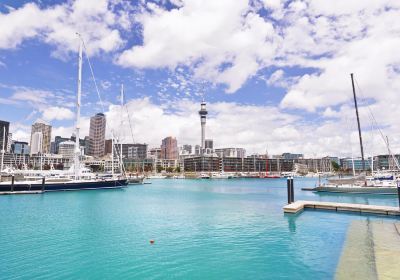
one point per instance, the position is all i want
(78, 177)
(360, 184)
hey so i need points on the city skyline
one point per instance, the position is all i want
(261, 94)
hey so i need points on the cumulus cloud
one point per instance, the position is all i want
(223, 41)
(57, 113)
(57, 25)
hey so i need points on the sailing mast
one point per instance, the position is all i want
(78, 111)
(3, 149)
(358, 123)
(122, 106)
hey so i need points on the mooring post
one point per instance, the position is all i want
(291, 190)
(289, 195)
(43, 183)
(12, 183)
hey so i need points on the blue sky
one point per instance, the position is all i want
(275, 73)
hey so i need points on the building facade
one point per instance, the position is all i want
(231, 152)
(20, 148)
(132, 151)
(4, 131)
(97, 134)
(44, 139)
(169, 148)
(67, 149)
(36, 143)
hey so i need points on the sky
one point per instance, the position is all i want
(275, 73)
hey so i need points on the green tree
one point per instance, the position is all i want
(335, 165)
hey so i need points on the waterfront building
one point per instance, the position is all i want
(386, 162)
(169, 148)
(67, 149)
(40, 135)
(20, 148)
(132, 151)
(202, 164)
(231, 152)
(154, 153)
(292, 156)
(347, 164)
(97, 133)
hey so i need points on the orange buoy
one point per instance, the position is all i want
(151, 241)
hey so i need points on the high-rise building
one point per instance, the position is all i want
(186, 150)
(208, 144)
(108, 146)
(97, 134)
(36, 143)
(169, 148)
(45, 138)
(203, 116)
(4, 130)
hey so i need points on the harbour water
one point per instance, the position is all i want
(203, 229)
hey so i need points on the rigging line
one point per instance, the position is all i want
(130, 122)
(377, 126)
(92, 73)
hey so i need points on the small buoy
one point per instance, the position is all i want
(152, 241)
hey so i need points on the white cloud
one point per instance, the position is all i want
(57, 113)
(223, 41)
(57, 25)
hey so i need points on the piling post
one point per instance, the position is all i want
(289, 190)
(12, 183)
(43, 183)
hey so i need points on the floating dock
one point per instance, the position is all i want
(21, 192)
(299, 205)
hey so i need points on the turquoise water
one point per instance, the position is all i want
(203, 229)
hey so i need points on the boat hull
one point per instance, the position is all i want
(63, 186)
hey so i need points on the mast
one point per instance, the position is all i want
(122, 106)
(358, 123)
(78, 111)
(3, 150)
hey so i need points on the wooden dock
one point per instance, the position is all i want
(21, 192)
(299, 205)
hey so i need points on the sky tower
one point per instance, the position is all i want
(203, 116)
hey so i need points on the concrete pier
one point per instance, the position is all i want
(298, 206)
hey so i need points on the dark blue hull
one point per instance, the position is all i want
(64, 186)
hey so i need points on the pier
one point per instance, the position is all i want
(300, 205)
(21, 192)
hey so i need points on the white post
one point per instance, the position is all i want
(112, 155)
(78, 111)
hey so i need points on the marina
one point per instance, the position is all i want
(198, 226)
